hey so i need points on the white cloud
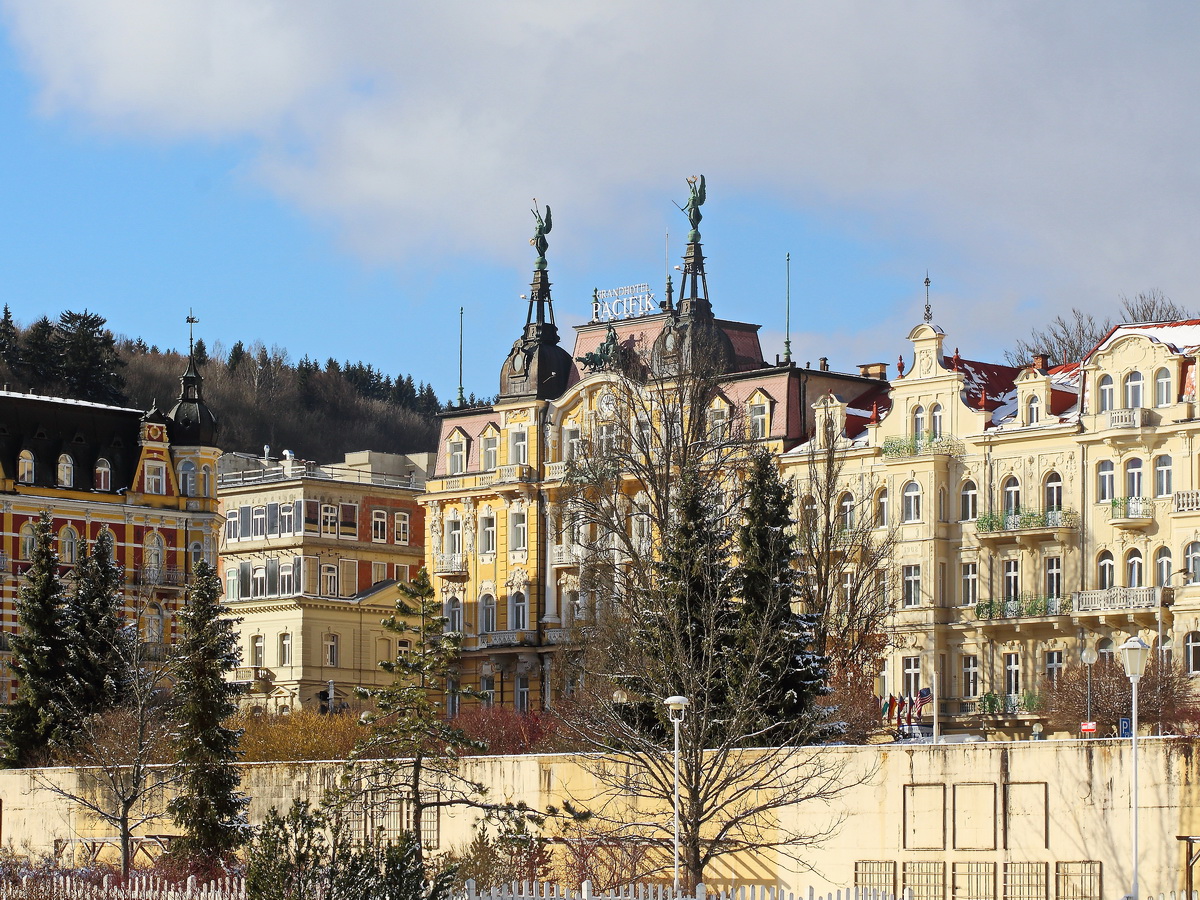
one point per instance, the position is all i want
(1031, 138)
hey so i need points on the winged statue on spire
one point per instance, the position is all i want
(538, 241)
(692, 209)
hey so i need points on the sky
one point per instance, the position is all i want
(338, 179)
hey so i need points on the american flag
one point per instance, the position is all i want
(924, 698)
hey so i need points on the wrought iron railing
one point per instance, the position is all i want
(1022, 519)
(1131, 508)
(1022, 606)
(922, 445)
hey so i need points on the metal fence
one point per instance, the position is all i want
(138, 887)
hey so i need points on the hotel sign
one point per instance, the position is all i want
(623, 303)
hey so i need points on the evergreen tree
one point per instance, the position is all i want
(39, 656)
(10, 342)
(209, 806)
(90, 367)
(793, 676)
(40, 359)
(97, 676)
(236, 354)
(200, 352)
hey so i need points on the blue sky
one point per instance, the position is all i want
(339, 185)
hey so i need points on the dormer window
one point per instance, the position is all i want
(156, 478)
(758, 421)
(491, 452)
(66, 471)
(458, 457)
(1033, 411)
(718, 423)
(102, 480)
(25, 467)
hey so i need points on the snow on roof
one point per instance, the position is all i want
(46, 398)
(991, 381)
(1182, 336)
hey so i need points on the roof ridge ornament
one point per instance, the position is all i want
(928, 310)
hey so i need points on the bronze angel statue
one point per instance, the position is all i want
(538, 241)
(695, 201)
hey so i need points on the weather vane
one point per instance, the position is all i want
(928, 310)
(192, 321)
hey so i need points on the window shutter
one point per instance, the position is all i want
(348, 519)
(244, 575)
(348, 577)
(244, 523)
(273, 519)
(312, 516)
(273, 576)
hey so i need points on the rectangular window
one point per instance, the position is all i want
(231, 584)
(258, 651)
(487, 534)
(401, 525)
(273, 519)
(520, 612)
(260, 522)
(970, 584)
(156, 478)
(312, 516)
(912, 676)
(606, 439)
(378, 572)
(329, 520)
(718, 423)
(521, 693)
(378, 525)
(1012, 673)
(518, 535)
(452, 698)
(331, 650)
(287, 518)
(458, 457)
(487, 690)
(1012, 579)
(1162, 476)
(912, 585)
(520, 448)
(1054, 665)
(1054, 577)
(454, 537)
(287, 580)
(285, 649)
(231, 525)
(401, 573)
(329, 577)
(245, 576)
(758, 421)
(970, 676)
(491, 455)
(570, 444)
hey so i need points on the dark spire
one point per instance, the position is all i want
(192, 422)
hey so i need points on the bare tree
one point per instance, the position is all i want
(1165, 698)
(845, 549)
(121, 756)
(1069, 339)
(656, 496)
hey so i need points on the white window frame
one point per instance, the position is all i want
(1106, 481)
(487, 533)
(911, 585)
(758, 421)
(283, 650)
(1162, 388)
(519, 448)
(518, 610)
(970, 676)
(1133, 390)
(968, 502)
(332, 646)
(911, 504)
(456, 456)
(66, 470)
(970, 583)
(102, 475)
(402, 528)
(1053, 567)
(379, 519)
(490, 452)
(1162, 475)
(156, 478)
(518, 539)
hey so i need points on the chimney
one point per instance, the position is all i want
(877, 371)
(824, 363)
(1041, 361)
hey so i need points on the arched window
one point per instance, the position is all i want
(1012, 496)
(918, 423)
(1133, 569)
(102, 475)
(1162, 388)
(1162, 567)
(1034, 411)
(520, 612)
(1133, 478)
(258, 582)
(846, 512)
(969, 502)
(911, 503)
(205, 481)
(66, 471)
(154, 624)
(487, 614)
(1107, 395)
(1191, 562)
(1107, 651)
(152, 551)
(935, 421)
(1105, 571)
(68, 546)
(454, 616)
(258, 651)
(1133, 390)
(1054, 492)
(1162, 476)
(28, 540)
(25, 467)
(284, 652)
(1105, 481)
(881, 509)
(1191, 652)
(187, 478)
(196, 554)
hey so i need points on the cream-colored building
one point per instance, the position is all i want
(311, 556)
(1037, 511)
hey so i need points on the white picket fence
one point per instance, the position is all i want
(138, 887)
(536, 890)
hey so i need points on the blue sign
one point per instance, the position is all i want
(1126, 727)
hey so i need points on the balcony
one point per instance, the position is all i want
(558, 635)
(255, 678)
(1186, 501)
(1128, 418)
(1120, 599)
(926, 445)
(1131, 512)
(450, 565)
(160, 576)
(1023, 607)
(506, 639)
(556, 471)
(1027, 523)
(154, 651)
(567, 554)
(509, 474)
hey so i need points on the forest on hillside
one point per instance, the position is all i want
(260, 396)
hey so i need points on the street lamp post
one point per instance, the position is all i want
(1135, 653)
(675, 709)
(1089, 657)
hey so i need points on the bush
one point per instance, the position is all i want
(301, 735)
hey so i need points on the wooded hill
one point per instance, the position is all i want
(260, 397)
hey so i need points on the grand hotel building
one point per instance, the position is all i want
(1036, 511)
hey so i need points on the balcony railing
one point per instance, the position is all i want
(1131, 508)
(996, 704)
(1127, 418)
(162, 576)
(304, 469)
(567, 554)
(518, 472)
(1121, 598)
(253, 673)
(555, 471)
(1025, 519)
(450, 564)
(922, 445)
(1187, 501)
(1024, 606)
(558, 635)
(506, 638)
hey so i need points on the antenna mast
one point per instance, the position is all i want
(787, 316)
(461, 399)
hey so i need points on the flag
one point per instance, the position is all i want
(900, 704)
(924, 698)
(889, 709)
(912, 702)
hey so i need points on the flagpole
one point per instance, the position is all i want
(935, 705)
